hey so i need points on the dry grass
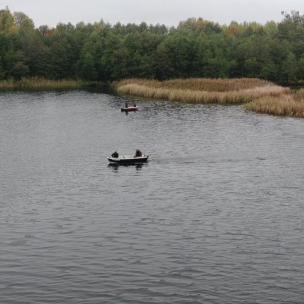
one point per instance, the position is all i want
(285, 105)
(199, 84)
(40, 84)
(221, 91)
(257, 95)
(299, 95)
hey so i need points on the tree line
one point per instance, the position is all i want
(195, 48)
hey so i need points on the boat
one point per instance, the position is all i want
(128, 160)
(129, 109)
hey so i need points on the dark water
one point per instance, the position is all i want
(217, 216)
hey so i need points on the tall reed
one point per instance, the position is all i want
(257, 95)
(200, 84)
(285, 105)
(220, 91)
(299, 95)
(40, 84)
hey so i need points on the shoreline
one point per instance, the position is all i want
(42, 84)
(255, 95)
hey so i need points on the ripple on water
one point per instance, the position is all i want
(214, 217)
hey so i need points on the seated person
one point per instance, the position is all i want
(138, 153)
(115, 155)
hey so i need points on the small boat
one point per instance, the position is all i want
(128, 160)
(129, 109)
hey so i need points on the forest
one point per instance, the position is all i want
(195, 48)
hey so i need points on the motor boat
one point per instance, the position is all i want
(128, 160)
(129, 109)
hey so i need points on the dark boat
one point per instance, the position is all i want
(128, 160)
(129, 109)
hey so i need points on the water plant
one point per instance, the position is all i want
(257, 95)
(40, 84)
(284, 105)
(200, 90)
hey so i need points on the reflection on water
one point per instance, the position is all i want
(215, 217)
(115, 167)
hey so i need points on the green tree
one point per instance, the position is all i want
(289, 68)
(7, 22)
(23, 22)
(87, 68)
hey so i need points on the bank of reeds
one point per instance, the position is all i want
(299, 95)
(199, 84)
(257, 95)
(285, 105)
(40, 84)
(220, 91)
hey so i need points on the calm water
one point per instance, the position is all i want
(216, 216)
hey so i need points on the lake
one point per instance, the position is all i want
(216, 216)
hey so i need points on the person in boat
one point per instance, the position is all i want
(115, 155)
(126, 105)
(138, 153)
(134, 105)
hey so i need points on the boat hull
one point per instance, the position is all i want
(129, 109)
(128, 160)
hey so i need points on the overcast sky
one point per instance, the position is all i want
(168, 12)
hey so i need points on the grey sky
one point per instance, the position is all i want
(168, 12)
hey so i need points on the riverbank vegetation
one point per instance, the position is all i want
(205, 53)
(196, 48)
(284, 105)
(221, 91)
(40, 84)
(257, 95)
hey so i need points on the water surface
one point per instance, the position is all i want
(216, 216)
